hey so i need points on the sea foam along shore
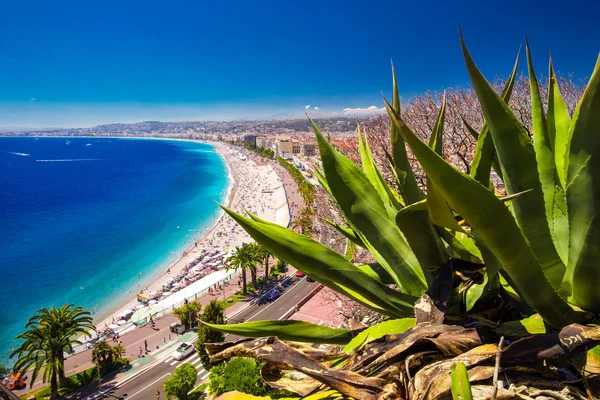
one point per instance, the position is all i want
(254, 187)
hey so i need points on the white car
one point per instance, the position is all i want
(184, 350)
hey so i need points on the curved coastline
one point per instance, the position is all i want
(169, 267)
(171, 255)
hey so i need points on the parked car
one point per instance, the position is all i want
(309, 279)
(184, 350)
(300, 273)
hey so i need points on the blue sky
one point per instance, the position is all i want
(69, 64)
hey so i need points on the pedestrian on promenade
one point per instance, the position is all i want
(158, 395)
(146, 345)
(141, 351)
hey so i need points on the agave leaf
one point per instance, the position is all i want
(387, 196)
(461, 387)
(532, 325)
(288, 330)
(470, 129)
(367, 215)
(461, 246)
(423, 237)
(376, 272)
(439, 211)
(326, 266)
(348, 232)
(485, 155)
(496, 226)
(323, 181)
(553, 196)
(519, 169)
(583, 199)
(491, 281)
(393, 326)
(558, 124)
(407, 184)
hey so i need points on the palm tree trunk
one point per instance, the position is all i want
(62, 379)
(53, 387)
(266, 269)
(253, 274)
(244, 290)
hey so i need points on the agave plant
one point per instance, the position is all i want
(457, 267)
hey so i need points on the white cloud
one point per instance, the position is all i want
(363, 111)
(316, 108)
(32, 99)
(306, 107)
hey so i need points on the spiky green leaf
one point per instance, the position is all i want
(558, 124)
(289, 330)
(367, 216)
(349, 233)
(391, 327)
(519, 169)
(583, 199)
(496, 226)
(407, 184)
(372, 172)
(326, 266)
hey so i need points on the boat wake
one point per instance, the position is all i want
(17, 154)
(71, 160)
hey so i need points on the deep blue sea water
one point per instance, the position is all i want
(80, 218)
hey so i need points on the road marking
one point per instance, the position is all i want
(140, 391)
(174, 362)
(204, 375)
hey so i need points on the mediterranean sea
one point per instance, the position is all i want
(90, 221)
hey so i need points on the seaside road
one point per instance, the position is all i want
(145, 385)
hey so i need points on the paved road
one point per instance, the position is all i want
(160, 365)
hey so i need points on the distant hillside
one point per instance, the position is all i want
(187, 128)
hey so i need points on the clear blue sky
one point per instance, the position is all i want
(71, 63)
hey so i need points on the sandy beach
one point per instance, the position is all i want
(255, 187)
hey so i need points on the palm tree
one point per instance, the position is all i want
(49, 334)
(188, 313)
(263, 255)
(105, 355)
(245, 258)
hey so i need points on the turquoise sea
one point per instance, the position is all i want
(85, 220)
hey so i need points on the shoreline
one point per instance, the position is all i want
(176, 266)
(255, 187)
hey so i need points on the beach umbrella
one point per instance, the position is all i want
(139, 306)
(113, 326)
(170, 280)
(152, 301)
(123, 314)
(121, 322)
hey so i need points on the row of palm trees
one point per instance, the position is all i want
(48, 335)
(247, 257)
